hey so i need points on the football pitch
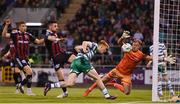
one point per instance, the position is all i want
(7, 95)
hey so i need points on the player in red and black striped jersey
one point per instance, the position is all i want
(57, 54)
(21, 40)
(8, 52)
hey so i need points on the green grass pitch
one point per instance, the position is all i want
(7, 95)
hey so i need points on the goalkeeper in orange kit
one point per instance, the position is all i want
(124, 69)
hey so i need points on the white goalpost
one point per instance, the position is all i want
(166, 31)
(155, 50)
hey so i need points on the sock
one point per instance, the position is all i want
(17, 78)
(17, 85)
(170, 87)
(27, 80)
(116, 85)
(63, 88)
(55, 85)
(29, 90)
(105, 92)
(160, 88)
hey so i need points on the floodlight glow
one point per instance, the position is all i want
(33, 24)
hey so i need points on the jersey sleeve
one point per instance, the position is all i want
(46, 35)
(151, 50)
(163, 47)
(93, 46)
(31, 37)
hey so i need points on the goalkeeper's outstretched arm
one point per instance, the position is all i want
(124, 36)
(169, 59)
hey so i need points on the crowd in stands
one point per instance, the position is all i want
(106, 19)
(32, 3)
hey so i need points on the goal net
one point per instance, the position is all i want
(166, 31)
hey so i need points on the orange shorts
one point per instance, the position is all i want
(125, 79)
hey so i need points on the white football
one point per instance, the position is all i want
(126, 47)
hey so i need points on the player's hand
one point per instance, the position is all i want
(170, 59)
(62, 39)
(148, 66)
(85, 50)
(125, 34)
(7, 21)
(59, 39)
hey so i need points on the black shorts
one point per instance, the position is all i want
(60, 60)
(21, 63)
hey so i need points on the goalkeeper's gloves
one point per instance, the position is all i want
(170, 59)
(125, 35)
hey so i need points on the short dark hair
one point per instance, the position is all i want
(51, 22)
(20, 22)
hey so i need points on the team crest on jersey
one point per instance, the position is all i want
(24, 61)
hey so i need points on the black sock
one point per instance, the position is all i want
(27, 80)
(63, 88)
(17, 78)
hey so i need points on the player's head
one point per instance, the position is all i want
(103, 46)
(14, 30)
(22, 26)
(53, 26)
(136, 45)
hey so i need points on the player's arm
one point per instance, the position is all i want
(78, 48)
(39, 41)
(4, 50)
(6, 55)
(169, 59)
(5, 29)
(86, 44)
(53, 38)
(124, 36)
(149, 64)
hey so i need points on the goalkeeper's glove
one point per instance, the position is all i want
(170, 59)
(125, 35)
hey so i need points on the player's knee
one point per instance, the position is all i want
(97, 78)
(29, 72)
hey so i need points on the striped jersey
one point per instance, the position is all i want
(53, 47)
(21, 43)
(92, 49)
(162, 49)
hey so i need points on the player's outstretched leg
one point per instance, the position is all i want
(92, 87)
(93, 74)
(116, 85)
(47, 88)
